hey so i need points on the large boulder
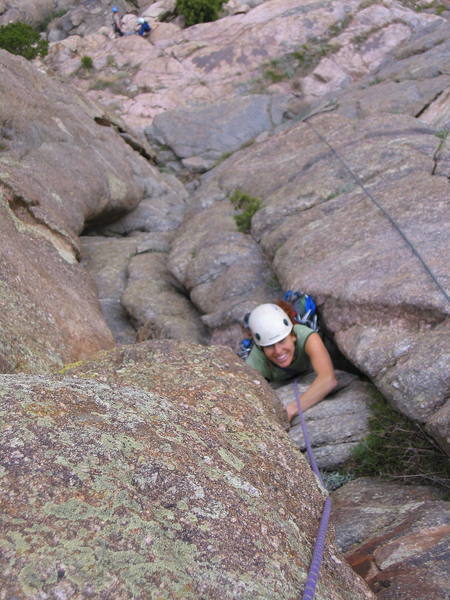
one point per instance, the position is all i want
(223, 270)
(210, 132)
(59, 172)
(161, 469)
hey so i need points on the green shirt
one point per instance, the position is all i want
(258, 360)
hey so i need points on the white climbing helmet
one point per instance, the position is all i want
(269, 324)
(141, 20)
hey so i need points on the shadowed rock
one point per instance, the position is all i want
(223, 270)
(162, 466)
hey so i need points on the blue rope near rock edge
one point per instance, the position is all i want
(319, 546)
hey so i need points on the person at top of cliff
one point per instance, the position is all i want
(283, 350)
(143, 28)
(116, 22)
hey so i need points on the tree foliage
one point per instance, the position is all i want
(198, 11)
(22, 39)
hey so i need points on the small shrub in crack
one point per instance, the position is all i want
(248, 205)
(87, 62)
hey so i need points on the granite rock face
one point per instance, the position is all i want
(60, 171)
(396, 537)
(335, 425)
(159, 467)
(339, 196)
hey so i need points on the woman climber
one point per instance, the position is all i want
(282, 350)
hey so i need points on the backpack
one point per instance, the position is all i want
(305, 314)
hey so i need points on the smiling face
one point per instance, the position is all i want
(282, 353)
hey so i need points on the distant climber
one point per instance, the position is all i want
(116, 22)
(283, 350)
(143, 27)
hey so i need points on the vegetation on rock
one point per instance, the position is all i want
(198, 11)
(397, 448)
(21, 39)
(248, 205)
(87, 62)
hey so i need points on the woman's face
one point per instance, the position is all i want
(281, 353)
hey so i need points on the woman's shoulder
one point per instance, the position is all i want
(302, 332)
(257, 359)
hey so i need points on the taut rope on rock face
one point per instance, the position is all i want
(319, 546)
(392, 221)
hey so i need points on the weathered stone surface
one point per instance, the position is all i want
(161, 8)
(28, 11)
(59, 171)
(168, 472)
(67, 17)
(367, 506)
(67, 169)
(224, 271)
(162, 208)
(362, 46)
(413, 80)
(209, 132)
(50, 312)
(156, 302)
(403, 535)
(335, 425)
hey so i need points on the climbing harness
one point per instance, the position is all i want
(319, 546)
(372, 199)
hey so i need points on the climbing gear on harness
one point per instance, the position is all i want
(269, 324)
(305, 308)
(319, 546)
(245, 348)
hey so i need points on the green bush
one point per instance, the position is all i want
(23, 40)
(87, 62)
(248, 205)
(198, 11)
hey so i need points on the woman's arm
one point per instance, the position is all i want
(325, 380)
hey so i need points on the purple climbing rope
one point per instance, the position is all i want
(313, 574)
